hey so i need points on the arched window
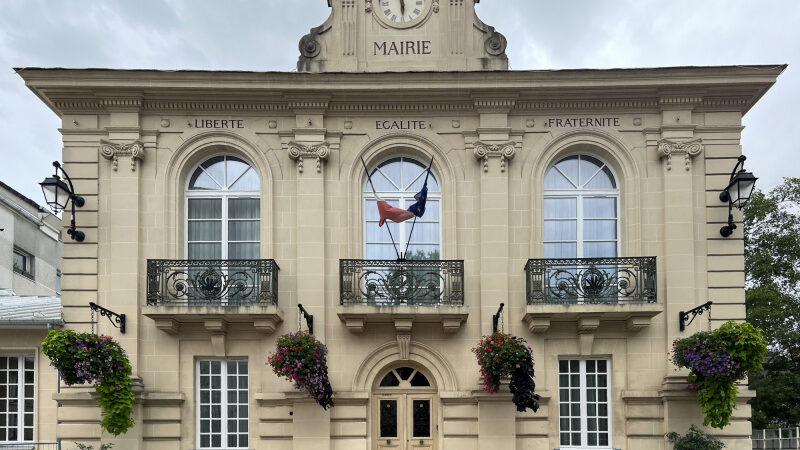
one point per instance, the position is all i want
(581, 209)
(223, 210)
(397, 180)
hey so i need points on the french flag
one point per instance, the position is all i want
(389, 212)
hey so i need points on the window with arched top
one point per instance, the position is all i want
(397, 180)
(223, 210)
(581, 209)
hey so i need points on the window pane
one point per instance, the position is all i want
(599, 229)
(244, 250)
(247, 182)
(205, 251)
(603, 180)
(560, 250)
(391, 170)
(599, 249)
(243, 230)
(215, 167)
(561, 208)
(202, 181)
(420, 252)
(599, 207)
(569, 167)
(388, 418)
(555, 180)
(588, 167)
(205, 230)
(234, 168)
(205, 208)
(422, 418)
(560, 230)
(244, 208)
(423, 233)
(381, 183)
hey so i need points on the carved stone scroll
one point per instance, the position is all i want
(688, 148)
(298, 152)
(504, 151)
(112, 151)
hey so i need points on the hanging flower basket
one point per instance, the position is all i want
(502, 356)
(89, 358)
(301, 358)
(717, 359)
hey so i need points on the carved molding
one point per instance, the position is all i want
(309, 45)
(435, 6)
(298, 152)
(495, 44)
(112, 151)
(368, 6)
(404, 345)
(688, 148)
(504, 151)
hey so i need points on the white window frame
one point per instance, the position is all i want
(29, 261)
(404, 200)
(579, 193)
(223, 402)
(583, 403)
(224, 195)
(21, 397)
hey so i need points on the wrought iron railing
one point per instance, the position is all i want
(30, 446)
(591, 280)
(413, 282)
(233, 282)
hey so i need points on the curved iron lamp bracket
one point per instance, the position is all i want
(496, 317)
(309, 318)
(118, 320)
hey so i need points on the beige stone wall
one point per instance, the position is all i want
(491, 218)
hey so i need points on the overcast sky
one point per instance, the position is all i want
(263, 35)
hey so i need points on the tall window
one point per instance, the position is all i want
(397, 180)
(223, 210)
(16, 398)
(584, 404)
(222, 387)
(580, 209)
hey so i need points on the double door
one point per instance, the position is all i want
(405, 421)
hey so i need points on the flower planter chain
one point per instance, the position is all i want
(118, 320)
(684, 316)
(309, 319)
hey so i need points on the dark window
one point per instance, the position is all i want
(23, 263)
(388, 418)
(422, 418)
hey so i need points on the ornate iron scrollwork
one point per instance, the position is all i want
(411, 282)
(591, 280)
(212, 282)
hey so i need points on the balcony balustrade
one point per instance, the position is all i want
(213, 294)
(587, 291)
(212, 282)
(401, 292)
(591, 280)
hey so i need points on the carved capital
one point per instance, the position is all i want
(368, 6)
(298, 152)
(435, 6)
(688, 148)
(504, 151)
(112, 151)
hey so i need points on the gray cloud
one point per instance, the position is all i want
(263, 35)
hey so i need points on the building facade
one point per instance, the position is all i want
(586, 201)
(30, 282)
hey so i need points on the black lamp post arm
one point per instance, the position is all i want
(694, 312)
(118, 320)
(309, 318)
(496, 317)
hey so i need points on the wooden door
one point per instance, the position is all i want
(420, 421)
(390, 433)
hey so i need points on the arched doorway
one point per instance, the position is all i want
(404, 410)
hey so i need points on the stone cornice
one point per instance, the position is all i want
(602, 104)
(688, 148)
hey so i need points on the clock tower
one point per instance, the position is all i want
(402, 35)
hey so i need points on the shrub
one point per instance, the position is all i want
(89, 358)
(717, 359)
(501, 356)
(301, 358)
(695, 439)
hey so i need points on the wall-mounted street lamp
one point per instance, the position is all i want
(58, 194)
(737, 193)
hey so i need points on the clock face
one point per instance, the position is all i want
(401, 13)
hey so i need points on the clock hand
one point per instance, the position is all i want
(402, 7)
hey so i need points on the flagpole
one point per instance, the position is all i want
(378, 198)
(415, 216)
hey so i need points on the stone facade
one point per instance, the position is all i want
(492, 135)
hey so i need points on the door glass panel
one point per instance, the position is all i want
(390, 380)
(388, 420)
(405, 372)
(419, 380)
(422, 418)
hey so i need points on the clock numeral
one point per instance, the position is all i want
(419, 2)
(384, 3)
(394, 18)
(416, 11)
(387, 11)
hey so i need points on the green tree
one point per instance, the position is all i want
(772, 264)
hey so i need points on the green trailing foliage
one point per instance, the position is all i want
(89, 358)
(772, 265)
(717, 359)
(695, 439)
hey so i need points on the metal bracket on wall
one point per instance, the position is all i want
(684, 316)
(496, 317)
(309, 318)
(118, 320)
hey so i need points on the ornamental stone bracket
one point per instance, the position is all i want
(112, 151)
(298, 152)
(402, 318)
(505, 151)
(688, 148)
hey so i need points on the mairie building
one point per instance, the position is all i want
(586, 202)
